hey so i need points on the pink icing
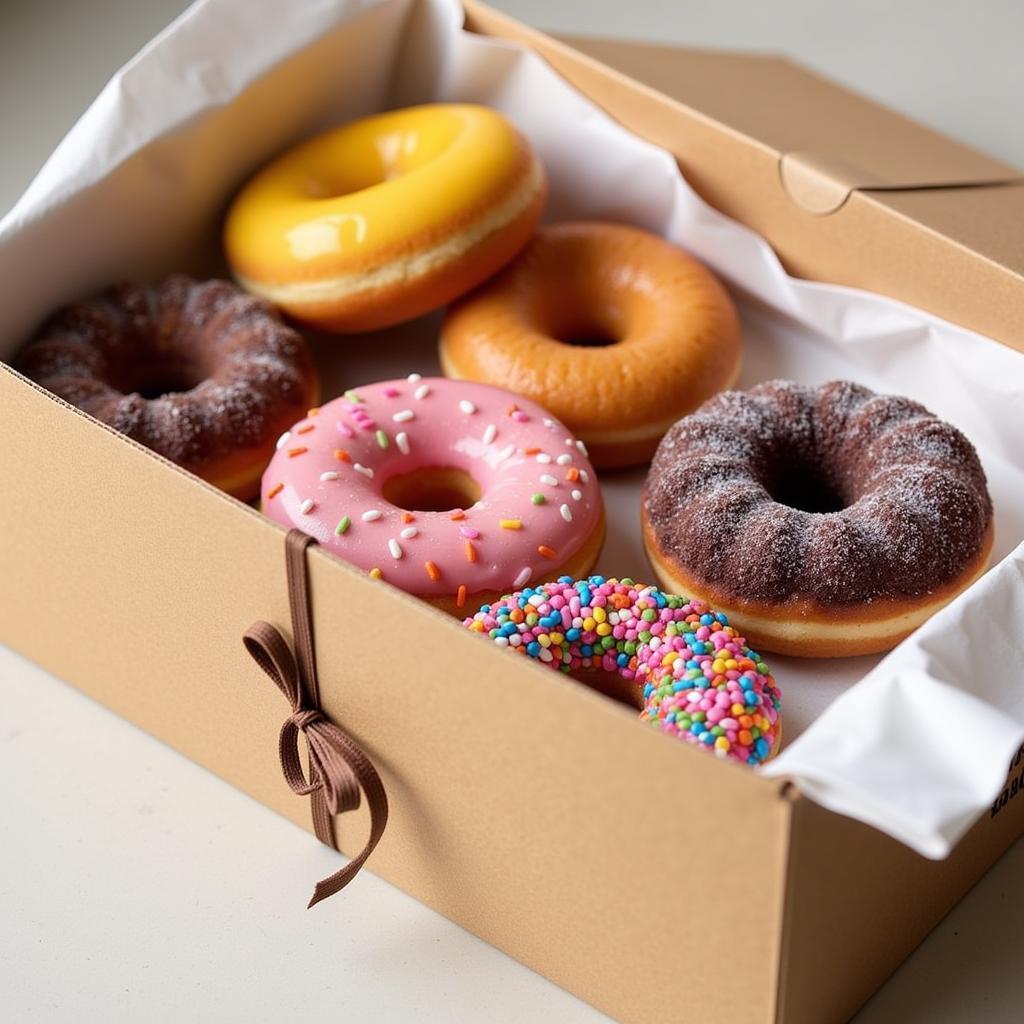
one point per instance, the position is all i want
(482, 430)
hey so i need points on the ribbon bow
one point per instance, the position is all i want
(338, 769)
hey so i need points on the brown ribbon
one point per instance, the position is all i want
(337, 767)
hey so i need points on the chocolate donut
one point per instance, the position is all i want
(825, 521)
(200, 372)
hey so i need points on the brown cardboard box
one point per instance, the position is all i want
(841, 187)
(136, 582)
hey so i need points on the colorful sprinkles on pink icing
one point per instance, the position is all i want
(525, 520)
(698, 679)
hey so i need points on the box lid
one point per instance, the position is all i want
(842, 187)
(828, 141)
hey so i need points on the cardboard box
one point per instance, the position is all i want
(135, 581)
(841, 187)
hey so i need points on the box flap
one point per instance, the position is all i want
(829, 140)
(844, 190)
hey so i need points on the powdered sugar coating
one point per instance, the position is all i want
(912, 512)
(227, 369)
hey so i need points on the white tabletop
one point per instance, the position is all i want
(135, 885)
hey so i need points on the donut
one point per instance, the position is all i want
(450, 491)
(681, 664)
(825, 521)
(386, 218)
(613, 329)
(198, 371)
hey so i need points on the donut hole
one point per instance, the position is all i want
(168, 380)
(155, 376)
(611, 685)
(432, 489)
(808, 489)
(583, 324)
(588, 337)
(377, 151)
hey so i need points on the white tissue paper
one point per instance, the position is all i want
(917, 743)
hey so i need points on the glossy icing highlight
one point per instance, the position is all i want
(339, 201)
(330, 474)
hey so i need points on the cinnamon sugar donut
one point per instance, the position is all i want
(616, 331)
(825, 521)
(200, 372)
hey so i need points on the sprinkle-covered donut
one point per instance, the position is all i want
(689, 671)
(452, 491)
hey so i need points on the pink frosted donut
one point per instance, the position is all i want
(453, 491)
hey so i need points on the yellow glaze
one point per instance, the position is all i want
(372, 190)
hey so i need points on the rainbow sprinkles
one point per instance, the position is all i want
(696, 678)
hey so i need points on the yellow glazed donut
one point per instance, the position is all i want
(386, 218)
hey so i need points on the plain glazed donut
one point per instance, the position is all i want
(826, 521)
(386, 218)
(613, 329)
(687, 670)
(199, 372)
(453, 492)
